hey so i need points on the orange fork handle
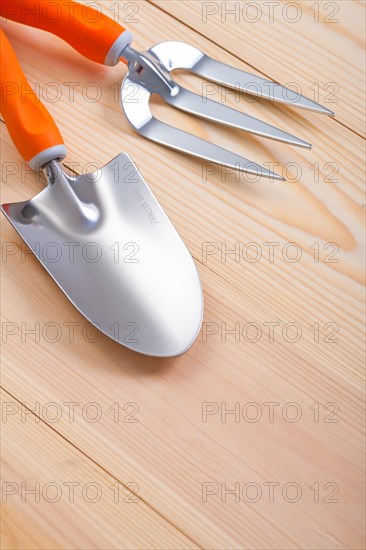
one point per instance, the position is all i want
(30, 125)
(86, 29)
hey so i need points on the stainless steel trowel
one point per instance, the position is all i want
(102, 236)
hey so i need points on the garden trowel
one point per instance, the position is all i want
(102, 236)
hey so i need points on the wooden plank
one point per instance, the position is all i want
(53, 496)
(171, 450)
(274, 38)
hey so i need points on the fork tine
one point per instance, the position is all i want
(174, 138)
(138, 114)
(195, 104)
(237, 79)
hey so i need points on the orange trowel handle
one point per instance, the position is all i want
(30, 125)
(86, 29)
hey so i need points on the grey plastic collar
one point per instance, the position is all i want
(52, 153)
(114, 53)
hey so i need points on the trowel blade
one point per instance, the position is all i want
(110, 247)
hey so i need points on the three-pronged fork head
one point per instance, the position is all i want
(150, 72)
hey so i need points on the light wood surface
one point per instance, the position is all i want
(174, 454)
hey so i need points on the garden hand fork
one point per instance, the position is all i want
(103, 40)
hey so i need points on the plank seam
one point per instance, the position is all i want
(88, 457)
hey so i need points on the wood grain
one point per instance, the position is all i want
(274, 39)
(45, 473)
(171, 452)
